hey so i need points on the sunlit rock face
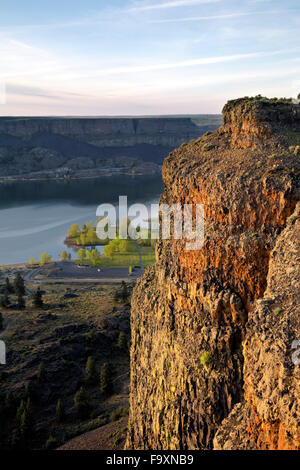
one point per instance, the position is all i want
(222, 300)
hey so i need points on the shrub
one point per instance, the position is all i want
(277, 310)
(120, 412)
(122, 341)
(60, 411)
(90, 371)
(41, 372)
(4, 300)
(38, 298)
(81, 403)
(51, 443)
(27, 427)
(106, 387)
(206, 360)
(8, 286)
(21, 302)
(19, 286)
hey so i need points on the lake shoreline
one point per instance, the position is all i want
(83, 174)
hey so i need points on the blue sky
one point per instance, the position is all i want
(143, 57)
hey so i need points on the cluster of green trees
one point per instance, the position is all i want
(18, 289)
(119, 246)
(64, 256)
(81, 401)
(84, 236)
(43, 259)
(22, 412)
(86, 256)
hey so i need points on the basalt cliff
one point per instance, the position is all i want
(68, 146)
(215, 332)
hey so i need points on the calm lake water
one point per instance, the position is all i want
(35, 216)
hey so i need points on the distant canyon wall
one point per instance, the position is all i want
(37, 144)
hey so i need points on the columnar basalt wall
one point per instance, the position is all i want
(40, 144)
(193, 313)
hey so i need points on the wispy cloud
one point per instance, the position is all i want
(23, 90)
(214, 17)
(171, 4)
(181, 64)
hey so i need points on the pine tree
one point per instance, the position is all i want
(41, 372)
(60, 411)
(51, 443)
(28, 391)
(21, 302)
(4, 301)
(9, 403)
(38, 299)
(81, 403)
(122, 341)
(27, 422)
(105, 380)
(124, 292)
(20, 411)
(19, 286)
(8, 286)
(90, 371)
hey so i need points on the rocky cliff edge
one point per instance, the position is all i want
(213, 330)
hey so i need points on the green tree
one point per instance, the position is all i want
(93, 257)
(45, 258)
(28, 391)
(90, 371)
(51, 443)
(1, 321)
(122, 341)
(64, 255)
(124, 294)
(8, 286)
(38, 298)
(83, 239)
(20, 411)
(4, 300)
(73, 230)
(19, 286)
(60, 411)
(21, 302)
(9, 403)
(27, 422)
(298, 97)
(81, 255)
(105, 380)
(41, 372)
(81, 403)
(91, 237)
(108, 250)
